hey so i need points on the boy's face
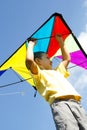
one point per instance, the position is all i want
(44, 62)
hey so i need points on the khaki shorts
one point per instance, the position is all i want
(69, 115)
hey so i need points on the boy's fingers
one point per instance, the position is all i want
(59, 35)
(32, 39)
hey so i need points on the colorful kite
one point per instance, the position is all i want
(46, 42)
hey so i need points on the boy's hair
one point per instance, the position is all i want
(38, 54)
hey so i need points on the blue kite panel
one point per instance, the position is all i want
(42, 35)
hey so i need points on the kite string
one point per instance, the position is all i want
(12, 93)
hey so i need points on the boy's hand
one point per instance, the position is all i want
(59, 38)
(31, 41)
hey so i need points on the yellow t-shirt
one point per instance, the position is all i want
(52, 84)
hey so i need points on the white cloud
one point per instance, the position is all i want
(78, 79)
(81, 81)
(82, 38)
(85, 3)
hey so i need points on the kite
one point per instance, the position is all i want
(46, 42)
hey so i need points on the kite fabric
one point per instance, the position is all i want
(46, 42)
(2, 71)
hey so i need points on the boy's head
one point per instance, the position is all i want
(38, 54)
(43, 61)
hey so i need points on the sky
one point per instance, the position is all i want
(19, 110)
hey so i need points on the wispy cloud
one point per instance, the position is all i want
(85, 3)
(78, 78)
(81, 81)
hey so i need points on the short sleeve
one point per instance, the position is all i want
(36, 77)
(62, 70)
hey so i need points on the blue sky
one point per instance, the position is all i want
(19, 110)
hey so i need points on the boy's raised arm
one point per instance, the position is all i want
(65, 54)
(30, 63)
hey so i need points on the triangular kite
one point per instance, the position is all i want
(46, 42)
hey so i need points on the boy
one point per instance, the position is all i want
(53, 86)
